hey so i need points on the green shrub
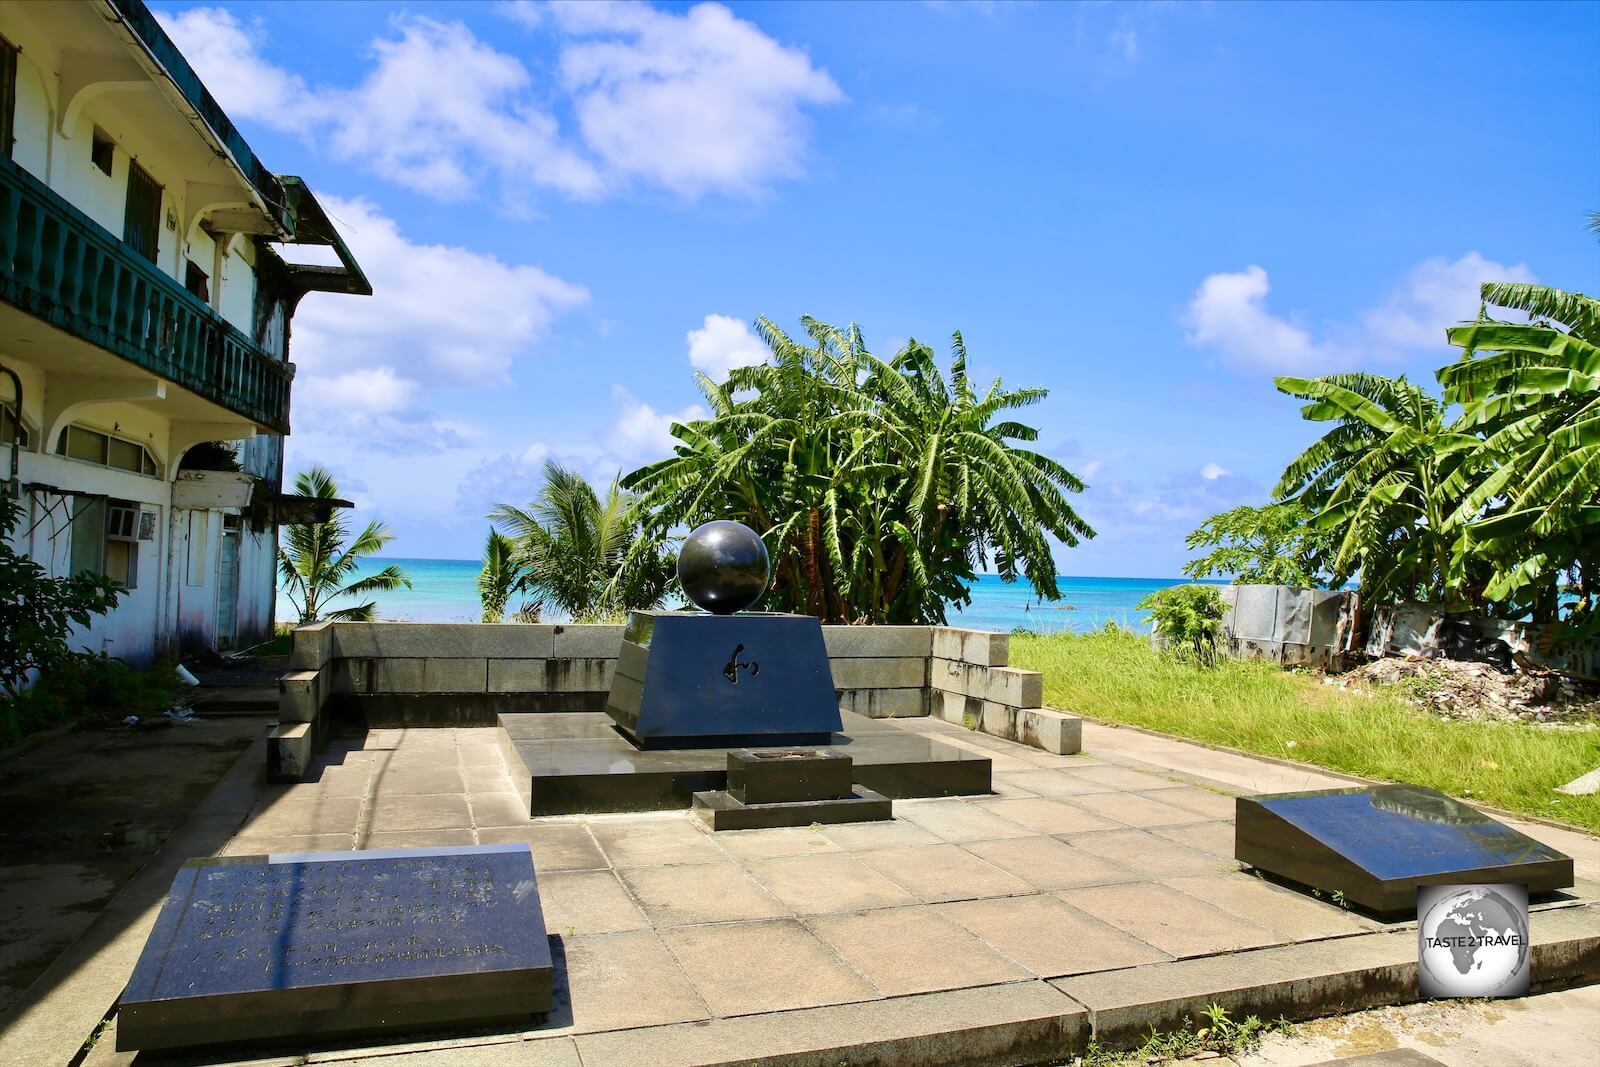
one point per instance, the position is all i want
(1189, 617)
(93, 690)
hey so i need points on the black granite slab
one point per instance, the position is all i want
(686, 678)
(1377, 845)
(787, 775)
(560, 774)
(312, 945)
(723, 811)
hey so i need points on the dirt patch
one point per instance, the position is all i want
(1476, 692)
(84, 811)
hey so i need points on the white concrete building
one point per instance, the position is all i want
(145, 303)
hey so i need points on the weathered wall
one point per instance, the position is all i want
(380, 673)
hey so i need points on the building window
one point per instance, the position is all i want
(101, 151)
(8, 96)
(194, 280)
(141, 226)
(105, 538)
(11, 427)
(92, 446)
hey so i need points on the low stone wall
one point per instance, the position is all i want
(388, 673)
(971, 685)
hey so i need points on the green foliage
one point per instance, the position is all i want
(498, 575)
(89, 689)
(590, 558)
(878, 486)
(1257, 706)
(1531, 499)
(1189, 618)
(1220, 1034)
(1271, 545)
(315, 565)
(38, 612)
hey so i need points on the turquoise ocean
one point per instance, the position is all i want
(445, 590)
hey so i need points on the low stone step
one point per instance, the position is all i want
(235, 700)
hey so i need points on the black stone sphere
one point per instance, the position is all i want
(723, 567)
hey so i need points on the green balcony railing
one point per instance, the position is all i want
(60, 265)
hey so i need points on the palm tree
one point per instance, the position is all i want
(1532, 392)
(498, 576)
(315, 565)
(581, 555)
(878, 487)
(1380, 476)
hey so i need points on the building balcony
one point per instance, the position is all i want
(62, 267)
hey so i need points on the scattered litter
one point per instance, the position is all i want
(1476, 692)
(131, 720)
(185, 677)
(179, 714)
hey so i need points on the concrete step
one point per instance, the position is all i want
(235, 700)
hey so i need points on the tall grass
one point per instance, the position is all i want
(1257, 707)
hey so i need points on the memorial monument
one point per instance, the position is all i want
(699, 693)
(314, 945)
(1377, 845)
(724, 676)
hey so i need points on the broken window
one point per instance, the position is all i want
(194, 280)
(101, 151)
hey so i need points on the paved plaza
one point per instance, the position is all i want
(1093, 891)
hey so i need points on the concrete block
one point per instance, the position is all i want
(311, 647)
(954, 708)
(451, 640)
(1048, 729)
(394, 676)
(289, 752)
(300, 696)
(587, 641)
(983, 647)
(579, 675)
(868, 642)
(440, 675)
(885, 703)
(953, 676)
(517, 675)
(351, 675)
(1014, 686)
(879, 673)
(996, 721)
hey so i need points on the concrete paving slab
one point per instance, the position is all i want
(1291, 914)
(1051, 783)
(1149, 855)
(943, 873)
(631, 842)
(1047, 863)
(249, 845)
(862, 837)
(680, 894)
(1174, 922)
(557, 1052)
(1209, 803)
(627, 979)
(497, 810)
(1121, 778)
(779, 841)
(560, 846)
(587, 902)
(1020, 1023)
(828, 882)
(1047, 815)
(444, 811)
(1048, 937)
(957, 820)
(417, 838)
(1213, 838)
(1140, 810)
(773, 965)
(433, 779)
(304, 815)
(913, 950)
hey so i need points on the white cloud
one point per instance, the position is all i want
(722, 344)
(1211, 472)
(1229, 313)
(448, 315)
(698, 102)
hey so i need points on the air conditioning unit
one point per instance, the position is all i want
(122, 523)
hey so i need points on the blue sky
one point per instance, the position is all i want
(1150, 210)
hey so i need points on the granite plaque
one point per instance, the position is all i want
(685, 679)
(1376, 846)
(316, 944)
